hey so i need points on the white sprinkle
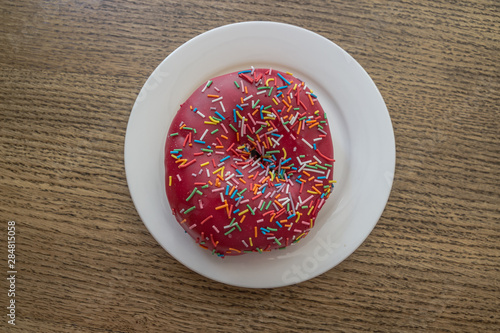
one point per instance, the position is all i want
(215, 228)
(217, 99)
(221, 197)
(179, 177)
(218, 190)
(204, 133)
(201, 204)
(247, 98)
(294, 148)
(293, 138)
(193, 226)
(242, 87)
(222, 106)
(328, 173)
(307, 143)
(318, 139)
(201, 170)
(261, 92)
(253, 69)
(216, 89)
(208, 173)
(260, 221)
(201, 114)
(319, 129)
(317, 159)
(231, 176)
(244, 243)
(194, 175)
(182, 210)
(270, 71)
(206, 86)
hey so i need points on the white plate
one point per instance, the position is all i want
(362, 133)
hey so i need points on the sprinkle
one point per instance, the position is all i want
(190, 209)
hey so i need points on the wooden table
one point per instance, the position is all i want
(69, 74)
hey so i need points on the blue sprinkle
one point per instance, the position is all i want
(282, 87)
(225, 158)
(217, 113)
(274, 134)
(236, 211)
(285, 80)
(322, 177)
(289, 217)
(195, 109)
(298, 181)
(175, 152)
(285, 161)
(264, 188)
(322, 195)
(234, 115)
(267, 160)
(294, 168)
(232, 195)
(264, 231)
(299, 176)
(198, 141)
(281, 93)
(279, 224)
(238, 171)
(314, 95)
(209, 147)
(314, 145)
(243, 72)
(274, 157)
(239, 107)
(227, 189)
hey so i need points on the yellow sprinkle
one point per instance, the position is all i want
(219, 169)
(267, 82)
(332, 181)
(250, 239)
(203, 164)
(174, 156)
(295, 87)
(310, 210)
(298, 217)
(284, 152)
(169, 180)
(210, 123)
(238, 114)
(275, 101)
(243, 212)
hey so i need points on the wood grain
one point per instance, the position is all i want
(69, 74)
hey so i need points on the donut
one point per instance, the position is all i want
(249, 162)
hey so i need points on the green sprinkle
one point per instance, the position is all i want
(174, 134)
(241, 192)
(261, 207)
(320, 127)
(251, 210)
(304, 207)
(321, 167)
(309, 166)
(286, 123)
(277, 241)
(270, 91)
(271, 229)
(262, 88)
(236, 84)
(260, 129)
(302, 156)
(234, 129)
(260, 251)
(207, 150)
(288, 207)
(205, 186)
(246, 251)
(199, 192)
(190, 209)
(269, 204)
(218, 119)
(230, 231)
(268, 107)
(300, 119)
(322, 121)
(187, 128)
(214, 131)
(296, 109)
(209, 83)
(273, 152)
(328, 165)
(192, 194)
(250, 138)
(232, 221)
(238, 226)
(256, 103)
(178, 149)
